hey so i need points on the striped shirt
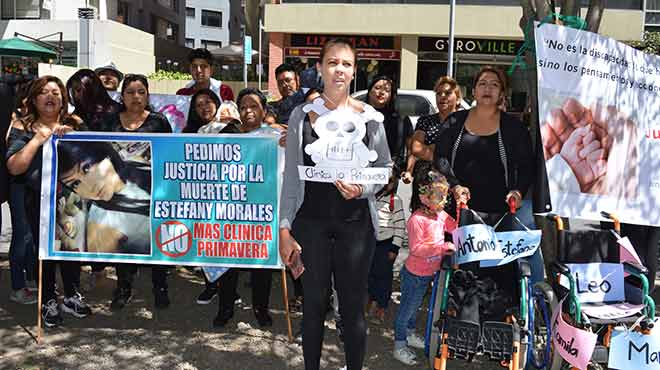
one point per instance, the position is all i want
(391, 220)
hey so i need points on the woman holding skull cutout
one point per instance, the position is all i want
(331, 224)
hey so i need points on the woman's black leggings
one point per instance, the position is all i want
(343, 250)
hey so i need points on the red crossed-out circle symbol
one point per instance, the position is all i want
(173, 239)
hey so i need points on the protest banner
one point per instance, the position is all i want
(161, 199)
(634, 350)
(599, 122)
(574, 345)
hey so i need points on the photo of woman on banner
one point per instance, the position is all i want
(332, 224)
(116, 193)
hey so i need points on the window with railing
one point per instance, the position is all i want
(21, 9)
(190, 43)
(211, 18)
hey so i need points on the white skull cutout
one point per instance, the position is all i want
(340, 134)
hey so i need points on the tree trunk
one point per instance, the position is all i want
(595, 15)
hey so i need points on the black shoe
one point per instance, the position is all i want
(263, 317)
(120, 298)
(76, 306)
(50, 314)
(223, 318)
(161, 299)
(207, 295)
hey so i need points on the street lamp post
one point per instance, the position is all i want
(452, 16)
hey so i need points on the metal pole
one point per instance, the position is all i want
(245, 71)
(260, 66)
(452, 16)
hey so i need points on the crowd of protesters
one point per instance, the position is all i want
(347, 235)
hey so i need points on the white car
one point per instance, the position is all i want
(413, 103)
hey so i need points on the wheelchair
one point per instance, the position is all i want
(597, 255)
(517, 336)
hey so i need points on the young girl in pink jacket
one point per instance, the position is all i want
(426, 238)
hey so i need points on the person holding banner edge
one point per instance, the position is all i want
(136, 116)
(47, 115)
(332, 224)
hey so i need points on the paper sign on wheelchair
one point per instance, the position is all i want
(476, 242)
(574, 345)
(634, 350)
(597, 282)
(514, 245)
(612, 311)
(627, 252)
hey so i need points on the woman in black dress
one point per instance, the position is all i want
(46, 116)
(136, 116)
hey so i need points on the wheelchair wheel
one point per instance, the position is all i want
(539, 350)
(433, 333)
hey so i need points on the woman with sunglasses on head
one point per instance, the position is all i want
(136, 116)
(448, 99)
(90, 99)
(46, 115)
(488, 151)
(332, 225)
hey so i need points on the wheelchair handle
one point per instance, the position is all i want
(615, 220)
(512, 205)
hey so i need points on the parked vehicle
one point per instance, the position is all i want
(413, 103)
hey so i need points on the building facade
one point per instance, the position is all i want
(652, 15)
(407, 39)
(207, 23)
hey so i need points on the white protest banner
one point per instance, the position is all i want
(476, 242)
(600, 125)
(514, 245)
(174, 107)
(634, 350)
(574, 345)
(597, 282)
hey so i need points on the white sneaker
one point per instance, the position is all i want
(406, 356)
(415, 341)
